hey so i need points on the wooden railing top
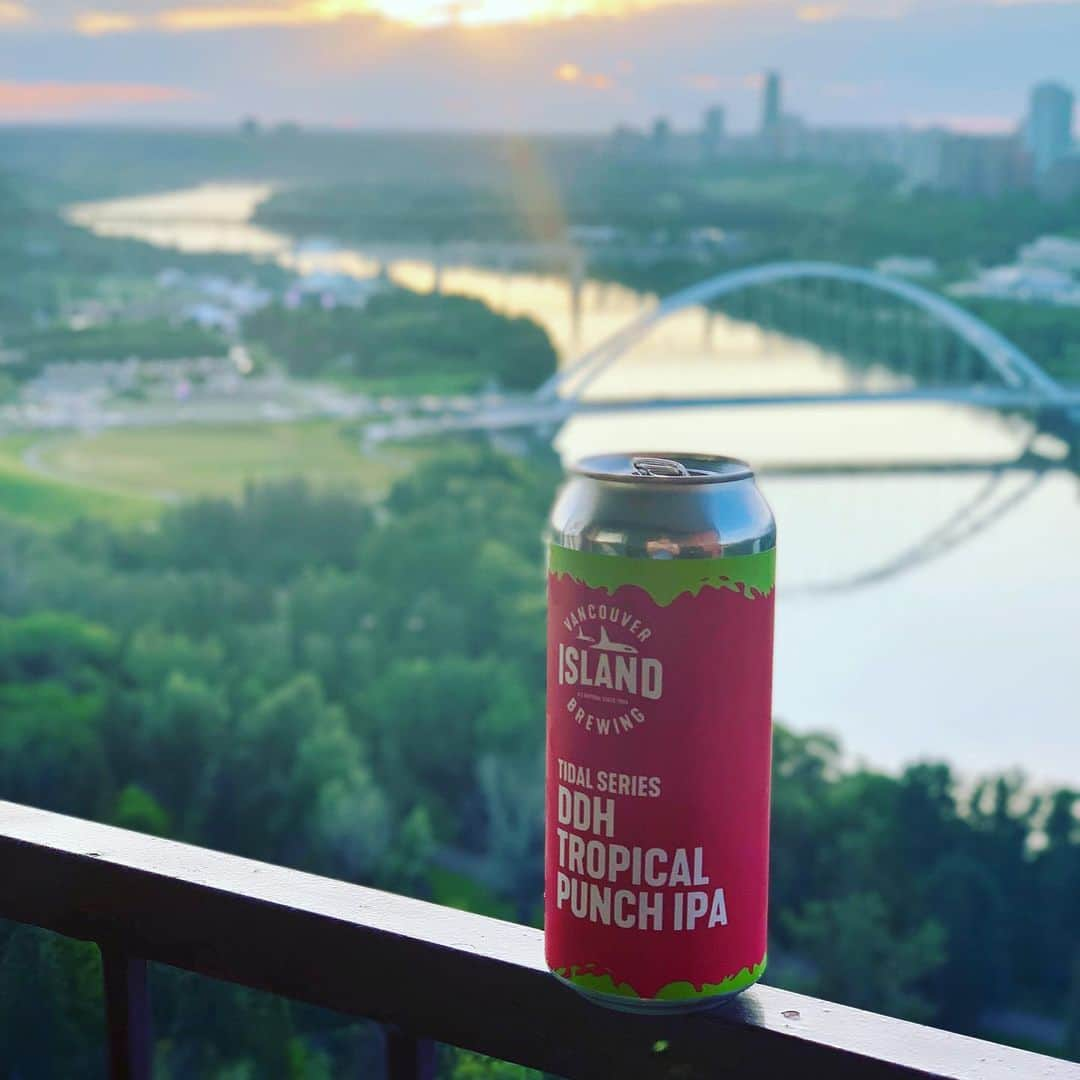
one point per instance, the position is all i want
(438, 973)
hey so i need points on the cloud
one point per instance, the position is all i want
(95, 23)
(819, 12)
(57, 100)
(11, 12)
(708, 83)
(212, 17)
(705, 83)
(572, 73)
(229, 18)
(862, 9)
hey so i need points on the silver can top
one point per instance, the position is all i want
(663, 468)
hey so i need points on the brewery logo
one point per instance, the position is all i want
(602, 659)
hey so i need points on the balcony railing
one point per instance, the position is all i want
(430, 974)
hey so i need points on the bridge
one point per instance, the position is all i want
(1005, 379)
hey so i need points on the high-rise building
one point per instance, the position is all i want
(713, 131)
(982, 166)
(771, 104)
(661, 136)
(1048, 128)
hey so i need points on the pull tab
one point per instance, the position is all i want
(658, 466)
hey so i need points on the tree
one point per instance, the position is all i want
(51, 1013)
(138, 810)
(968, 905)
(858, 958)
(513, 793)
(1072, 1012)
(1002, 817)
(1056, 871)
(274, 533)
(405, 866)
(926, 823)
(430, 721)
(803, 767)
(51, 753)
(217, 1029)
(186, 725)
(55, 646)
(350, 820)
(465, 1065)
(408, 342)
(153, 656)
(1062, 823)
(298, 787)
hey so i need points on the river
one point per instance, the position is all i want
(919, 615)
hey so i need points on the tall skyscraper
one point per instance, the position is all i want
(1048, 128)
(713, 131)
(771, 104)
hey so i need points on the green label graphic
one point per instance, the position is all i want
(665, 579)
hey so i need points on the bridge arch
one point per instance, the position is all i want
(1016, 369)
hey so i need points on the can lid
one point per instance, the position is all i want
(665, 468)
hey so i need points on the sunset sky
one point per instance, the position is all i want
(569, 65)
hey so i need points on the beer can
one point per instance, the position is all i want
(659, 732)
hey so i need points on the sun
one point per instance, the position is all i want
(483, 12)
(469, 12)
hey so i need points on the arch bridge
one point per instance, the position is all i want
(1016, 382)
(1016, 371)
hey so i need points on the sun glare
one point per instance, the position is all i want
(486, 12)
(419, 13)
(478, 12)
(11, 12)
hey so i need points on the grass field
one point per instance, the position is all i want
(126, 474)
(27, 495)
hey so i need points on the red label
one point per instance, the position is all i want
(658, 756)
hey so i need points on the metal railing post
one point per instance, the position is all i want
(407, 1057)
(127, 1015)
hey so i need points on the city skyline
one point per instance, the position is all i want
(531, 65)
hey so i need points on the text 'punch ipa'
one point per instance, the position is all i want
(659, 731)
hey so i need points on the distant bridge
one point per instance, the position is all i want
(1018, 382)
(1016, 369)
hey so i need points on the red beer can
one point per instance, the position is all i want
(660, 637)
